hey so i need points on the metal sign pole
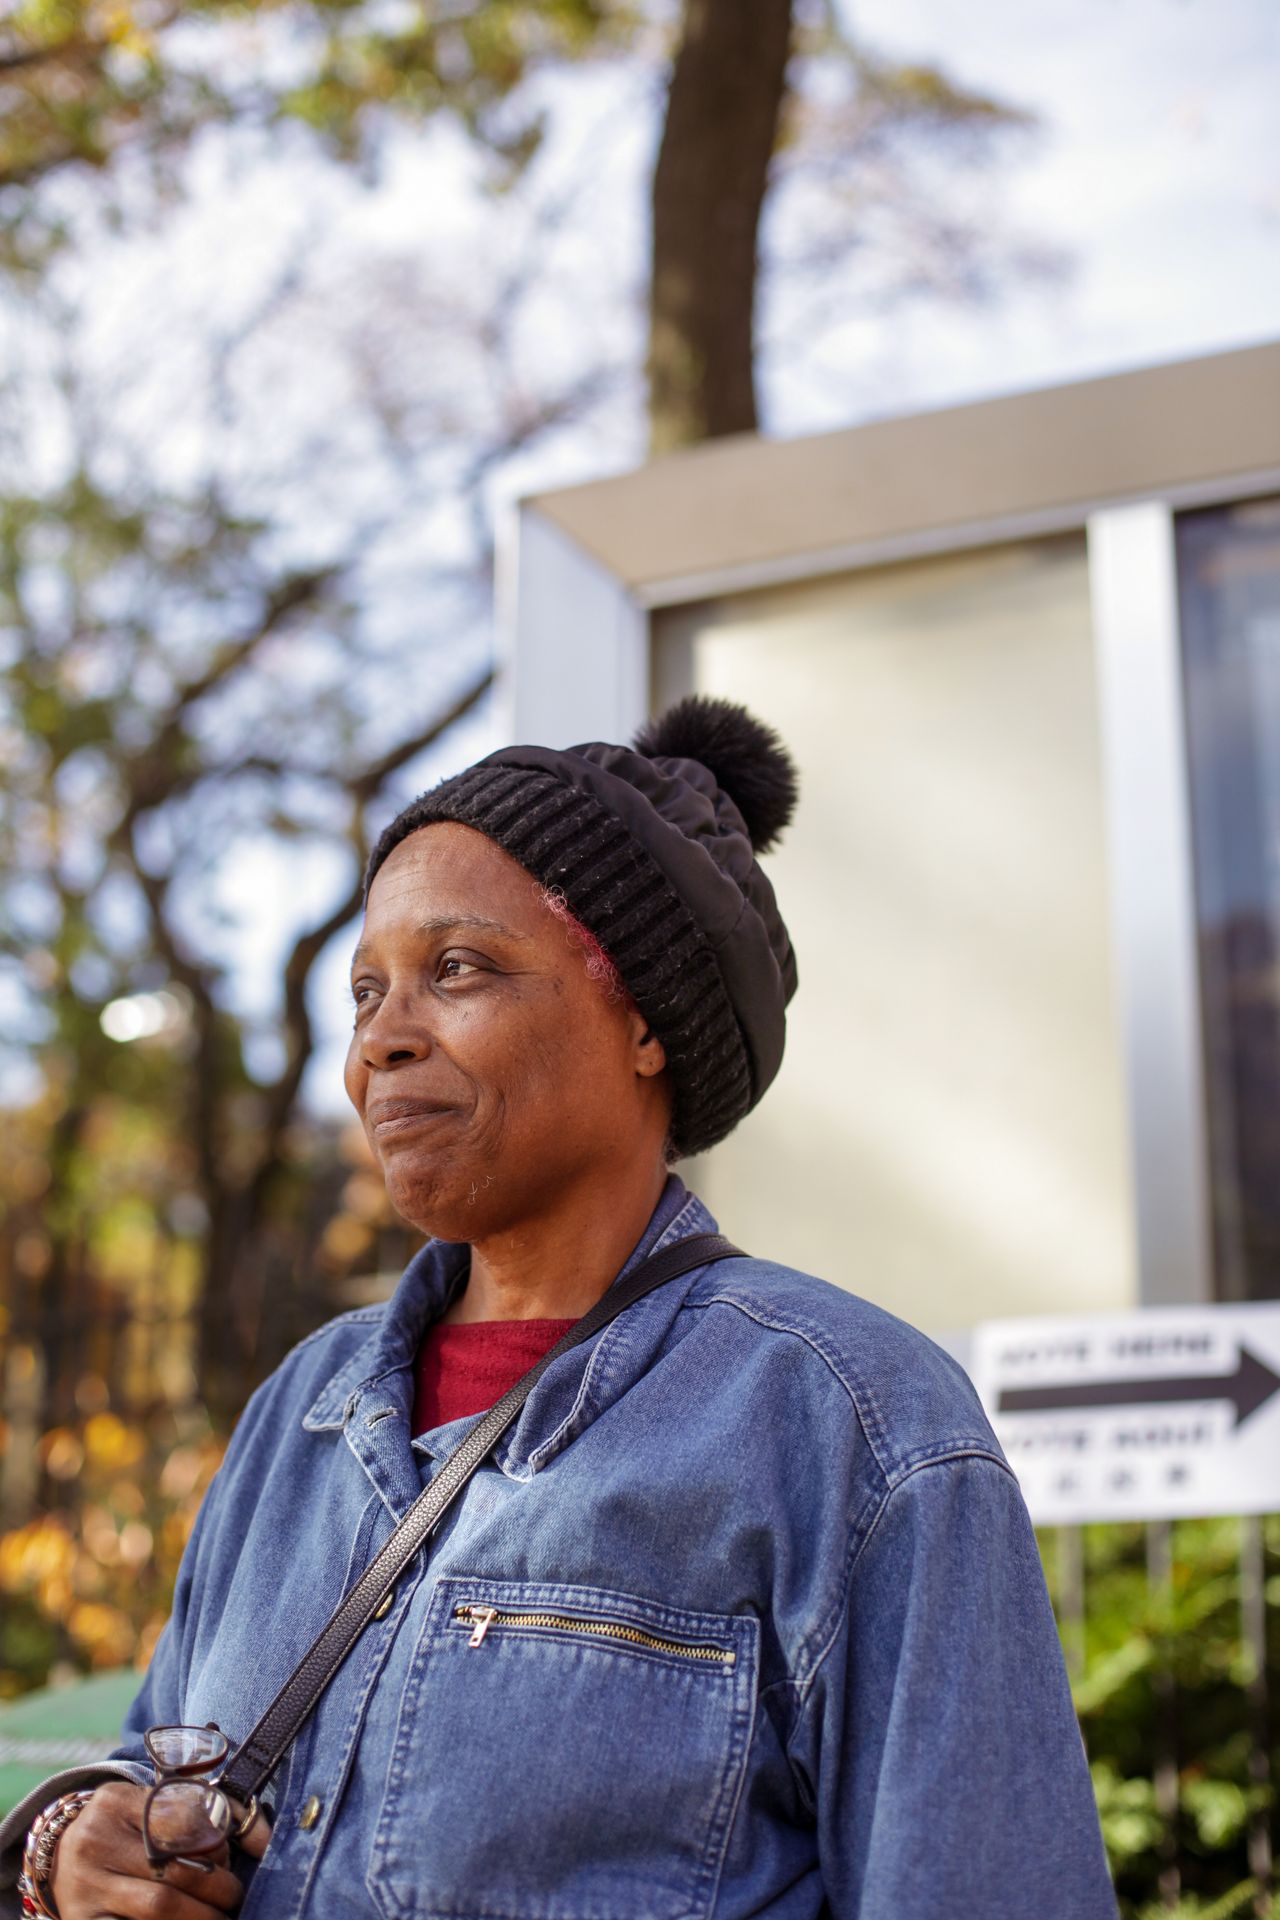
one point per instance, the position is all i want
(1159, 1539)
(1070, 1558)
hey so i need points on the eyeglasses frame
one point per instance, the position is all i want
(159, 1858)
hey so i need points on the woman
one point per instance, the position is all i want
(745, 1615)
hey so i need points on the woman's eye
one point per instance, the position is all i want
(454, 965)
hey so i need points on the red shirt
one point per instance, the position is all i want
(464, 1369)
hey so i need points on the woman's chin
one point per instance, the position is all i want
(445, 1202)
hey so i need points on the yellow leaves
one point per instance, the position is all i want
(102, 1574)
(98, 1531)
(40, 1560)
(120, 27)
(110, 1443)
(92, 1393)
(126, 1241)
(52, 23)
(174, 1535)
(344, 1239)
(127, 1499)
(129, 1546)
(152, 1627)
(183, 1280)
(181, 1472)
(22, 1366)
(62, 1453)
(365, 1196)
(46, 22)
(26, 1176)
(32, 1253)
(104, 1632)
(135, 1543)
(55, 1595)
(41, 1551)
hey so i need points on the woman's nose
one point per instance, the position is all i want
(394, 1035)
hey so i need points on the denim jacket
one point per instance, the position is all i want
(770, 1634)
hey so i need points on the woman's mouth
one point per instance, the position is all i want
(388, 1118)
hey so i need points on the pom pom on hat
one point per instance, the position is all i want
(747, 758)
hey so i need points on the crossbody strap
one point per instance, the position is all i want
(256, 1758)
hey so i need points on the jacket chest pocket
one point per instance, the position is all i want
(563, 1753)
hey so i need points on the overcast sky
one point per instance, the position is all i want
(1157, 167)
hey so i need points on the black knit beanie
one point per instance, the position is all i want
(653, 849)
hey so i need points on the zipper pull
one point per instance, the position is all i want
(484, 1618)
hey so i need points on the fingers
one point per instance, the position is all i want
(254, 1843)
(152, 1899)
(101, 1868)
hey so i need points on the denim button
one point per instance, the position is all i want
(310, 1813)
(385, 1605)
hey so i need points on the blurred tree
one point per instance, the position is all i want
(756, 94)
(87, 80)
(235, 494)
(121, 789)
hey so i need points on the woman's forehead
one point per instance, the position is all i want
(447, 876)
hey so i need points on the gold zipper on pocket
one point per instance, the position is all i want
(482, 1618)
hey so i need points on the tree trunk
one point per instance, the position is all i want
(723, 104)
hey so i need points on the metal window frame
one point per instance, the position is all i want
(581, 574)
(1146, 780)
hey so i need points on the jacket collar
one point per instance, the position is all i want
(421, 1296)
(590, 1378)
(567, 1398)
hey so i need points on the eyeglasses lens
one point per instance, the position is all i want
(185, 1749)
(186, 1816)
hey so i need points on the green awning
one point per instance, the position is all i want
(60, 1727)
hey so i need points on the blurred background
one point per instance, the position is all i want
(318, 319)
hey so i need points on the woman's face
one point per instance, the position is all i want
(493, 1076)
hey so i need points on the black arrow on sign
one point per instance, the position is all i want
(1247, 1388)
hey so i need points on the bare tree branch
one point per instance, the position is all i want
(368, 783)
(158, 772)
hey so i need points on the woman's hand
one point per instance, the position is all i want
(255, 1841)
(101, 1872)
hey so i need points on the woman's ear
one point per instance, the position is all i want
(651, 1055)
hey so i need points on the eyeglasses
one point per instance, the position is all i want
(186, 1815)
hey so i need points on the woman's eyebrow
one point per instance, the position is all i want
(449, 923)
(467, 923)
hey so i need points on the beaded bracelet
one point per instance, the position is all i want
(42, 1845)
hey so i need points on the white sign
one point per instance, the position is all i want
(1137, 1416)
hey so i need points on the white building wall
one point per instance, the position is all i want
(947, 1135)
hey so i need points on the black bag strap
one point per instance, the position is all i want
(257, 1756)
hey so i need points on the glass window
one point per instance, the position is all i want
(1229, 589)
(947, 1128)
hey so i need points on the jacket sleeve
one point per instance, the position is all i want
(937, 1738)
(158, 1701)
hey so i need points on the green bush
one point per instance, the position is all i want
(1160, 1675)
